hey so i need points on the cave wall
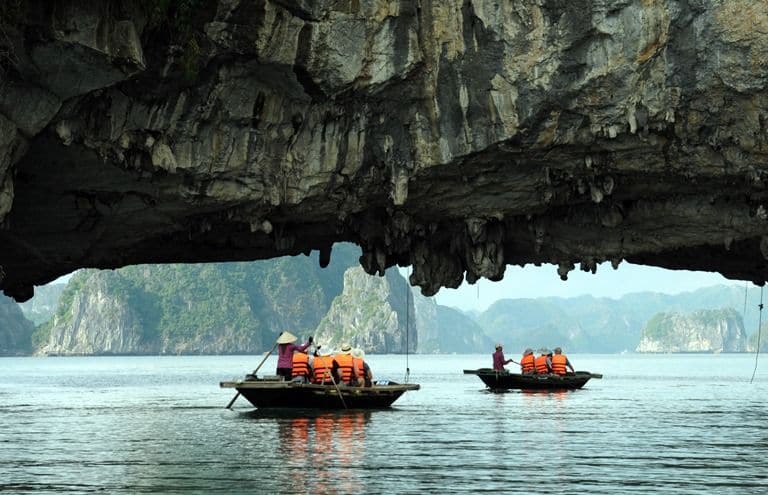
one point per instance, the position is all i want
(453, 136)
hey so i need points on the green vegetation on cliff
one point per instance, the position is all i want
(15, 330)
(704, 330)
(208, 308)
(63, 309)
(657, 327)
(40, 308)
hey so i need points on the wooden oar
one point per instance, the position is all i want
(229, 406)
(591, 375)
(337, 389)
(329, 373)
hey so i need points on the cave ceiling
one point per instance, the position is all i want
(453, 136)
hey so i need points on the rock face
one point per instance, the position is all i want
(701, 331)
(215, 308)
(371, 314)
(41, 308)
(454, 136)
(15, 330)
(98, 321)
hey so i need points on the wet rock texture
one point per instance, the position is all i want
(372, 313)
(453, 136)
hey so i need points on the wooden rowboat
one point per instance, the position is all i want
(503, 380)
(274, 392)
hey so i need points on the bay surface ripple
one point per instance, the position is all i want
(654, 424)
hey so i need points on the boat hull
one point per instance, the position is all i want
(280, 394)
(507, 381)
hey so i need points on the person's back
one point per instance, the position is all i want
(542, 363)
(528, 362)
(560, 363)
(362, 370)
(300, 366)
(323, 366)
(346, 367)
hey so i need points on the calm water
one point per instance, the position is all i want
(670, 424)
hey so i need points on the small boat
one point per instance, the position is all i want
(274, 392)
(504, 380)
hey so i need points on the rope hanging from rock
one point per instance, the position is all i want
(759, 331)
(407, 324)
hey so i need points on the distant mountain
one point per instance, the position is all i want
(705, 330)
(445, 330)
(40, 308)
(15, 329)
(589, 324)
(521, 323)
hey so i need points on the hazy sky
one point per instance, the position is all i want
(533, 281)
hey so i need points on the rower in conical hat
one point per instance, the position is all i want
(287, 338)
(285, 349)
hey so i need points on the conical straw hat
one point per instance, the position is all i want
(286, 338)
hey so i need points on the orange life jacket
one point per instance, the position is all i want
(359, 365)
(558, 364)
(346, 367)
(300, 364)
(322, 367)
(541, 365)
(527, 364)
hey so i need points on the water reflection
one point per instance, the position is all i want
(323, 450)
(631, 434)
(545, 394)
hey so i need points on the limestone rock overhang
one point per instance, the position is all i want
(456, 137)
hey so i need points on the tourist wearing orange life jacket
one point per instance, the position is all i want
(301, 366)
(560, 363)
(528, 362)
(344, 366)
(362, 370)
(543, 363)
(322, 368)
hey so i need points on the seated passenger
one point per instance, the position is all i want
(344, 366)
(323, 369)
(528, 362)
(543, 363)
(301, 370)
(362, 370)
(560, 363)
